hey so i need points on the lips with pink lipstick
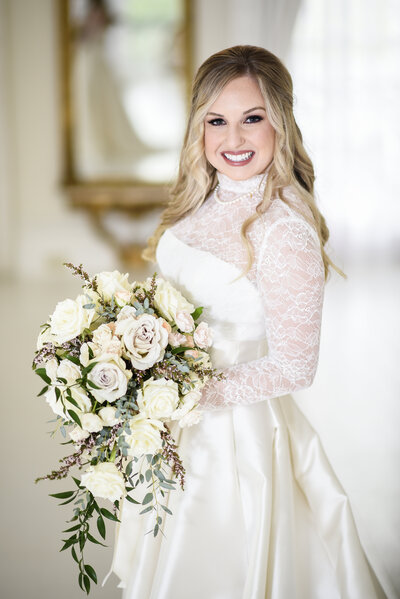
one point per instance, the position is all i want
(238, 158)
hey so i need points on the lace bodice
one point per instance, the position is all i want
(288, 274)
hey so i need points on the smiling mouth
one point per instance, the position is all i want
(238, 158)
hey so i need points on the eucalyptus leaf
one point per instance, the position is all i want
(147, 509)
(147, 498)
(166, 509)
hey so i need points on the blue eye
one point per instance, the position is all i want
(216, 122)
(253, 118)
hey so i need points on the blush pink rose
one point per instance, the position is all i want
(203, 335)
(184, 321)
(176, 339)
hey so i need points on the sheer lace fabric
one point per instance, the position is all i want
(289, 275)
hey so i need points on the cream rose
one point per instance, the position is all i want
(109, 283)
(111, 377)
(70, 318)
(184, 321)
(105, 342)
(91, 423)
(108, 417)
(104, 480)
(203, 335)
(191, 418)
(169, 301)
(145, 435)
(124, 319)
(145, 339)
(158, 398)
(188, 402)
(78, 434)
(45, 336)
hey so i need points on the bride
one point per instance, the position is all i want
(263, 515)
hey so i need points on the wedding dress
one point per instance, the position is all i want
(262, 515)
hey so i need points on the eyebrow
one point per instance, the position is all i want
(245, 112)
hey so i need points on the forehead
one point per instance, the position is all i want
(241, 93)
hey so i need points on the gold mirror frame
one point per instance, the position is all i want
(100, 196)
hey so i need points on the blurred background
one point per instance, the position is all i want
(93, 101)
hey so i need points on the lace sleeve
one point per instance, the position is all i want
(290, 278)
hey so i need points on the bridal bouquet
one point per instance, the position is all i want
(119, 363)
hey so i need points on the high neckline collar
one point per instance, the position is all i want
(255, 183)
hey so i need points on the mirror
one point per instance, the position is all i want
(126, 71)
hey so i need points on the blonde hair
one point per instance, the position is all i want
(290, 167)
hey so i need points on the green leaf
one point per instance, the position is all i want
(74, 555)
(166, 485)
(43, 391)
(80, 580)
(76, 527)
(67, 501)
(129, 498)
(82, 541)
(147, 509)
(86, 582)
(166, 509)
(108, 514)
(72, 400)
(74, 417)
(73, 359)
(76, 481)
(68, 543)
(101, 527)
(93, 540)
(92, 384)
(179, 350)
(129, 469)
(148, 497)
(159, 475)
(92, 573)
(198, 312)
(63, 495)
(42, 373)
(156, 529)
(148, 475)
(57, 392)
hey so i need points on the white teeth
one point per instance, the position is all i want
(238, 157)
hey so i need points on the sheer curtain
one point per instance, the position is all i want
(345, 62)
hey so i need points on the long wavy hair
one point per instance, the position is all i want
(290, 167)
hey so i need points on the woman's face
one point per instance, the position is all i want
(238, 137)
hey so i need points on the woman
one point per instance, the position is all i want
(262, 514)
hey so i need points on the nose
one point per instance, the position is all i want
(234, 136)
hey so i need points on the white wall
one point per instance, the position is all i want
(38, 232)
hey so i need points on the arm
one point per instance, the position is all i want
(290, 279)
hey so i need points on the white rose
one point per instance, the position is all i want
(110, 282)
(145, 340)
(188, 402)
(203, 335)
(145, 435)
(104, 480)
(122, 298)
(111, 377)
(158, 398)
(78, 434)
(91, 422)
(108, 417)
(124, 319)
(184, 321)
(169, 300)
(191, 418)
(69, 371)
(70, 318)
(51, 368)
(83, 401)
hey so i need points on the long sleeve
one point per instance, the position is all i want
(290, 279)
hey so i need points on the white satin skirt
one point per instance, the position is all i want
(262, 516)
